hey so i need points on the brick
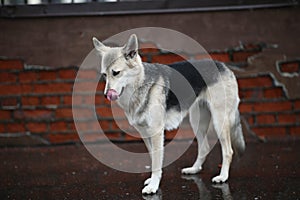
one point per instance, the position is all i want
(104, 112)
(64, 113)
(58, 127)
(83, 100)
(297, 105)
(71, 126)
(115, 125)
(287, 118)
(295, 131)
(47, 75)
(182, 134)
(9, 102)
(6, 77)
(62, 138)
(202, 56)
(131, 137)
(33, 114)
(11, 65)
(167, 58)
(5, 115)
(242, 56)
(246, 107)
(255, 93)
(249, 119)
(83, 113)
(67, 74)
(28, 77)
(222, 57)
(26, 89)
(87, 75)
(53, 88)
(10, 89)
(2, 128)
(118, 113)
(272, 106)
(67, 100)
(92, 137)
(265, 119)
(101, 86)
(34, 127)
(88, 100)
(145, 59)
(274, 93)
(105, 125)
(254, 82)
(88, 126)
(99, 99)
(30, 101)
(15, 127)
(169, 135)
(270, 131)
(86, 87)
(290, 67)
(121, 124)
(15, 89)
(114, 136)
(50, 100)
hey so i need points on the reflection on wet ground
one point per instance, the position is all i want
(266, 171)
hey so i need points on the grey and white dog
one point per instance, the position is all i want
(157, 97)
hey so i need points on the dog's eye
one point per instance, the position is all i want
(115, 73)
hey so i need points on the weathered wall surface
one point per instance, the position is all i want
(36, 102)
(66, 41)
(37, 106)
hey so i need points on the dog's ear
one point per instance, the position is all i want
(99, 46)
(130, 49)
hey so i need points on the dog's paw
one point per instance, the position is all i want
(150, 189)
(191, 170)
(220, 179)
(152, 185)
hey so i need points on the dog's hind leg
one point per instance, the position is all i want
(199, 118)
(222, 127)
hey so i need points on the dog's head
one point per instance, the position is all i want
(119, 65)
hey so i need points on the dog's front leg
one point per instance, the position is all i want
(152, 184)
(147, 141)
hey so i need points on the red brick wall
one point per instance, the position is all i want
(38, 101)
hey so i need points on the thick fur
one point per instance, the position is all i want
(157, 97)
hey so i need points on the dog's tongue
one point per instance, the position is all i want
(112, 95)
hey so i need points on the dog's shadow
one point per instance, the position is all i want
(157, 196)
(204, 193)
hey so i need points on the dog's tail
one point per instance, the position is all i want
(237, 137)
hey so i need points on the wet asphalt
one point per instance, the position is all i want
(266, 171)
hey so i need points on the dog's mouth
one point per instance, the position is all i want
(113, 95)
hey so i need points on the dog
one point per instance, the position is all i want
(156, 97)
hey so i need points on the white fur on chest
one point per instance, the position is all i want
(146, 110)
